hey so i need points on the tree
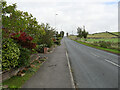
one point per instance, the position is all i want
(14, 21)
(79, 31)
(62, 33)
(49, 34)
(67, 34)
(84, 33)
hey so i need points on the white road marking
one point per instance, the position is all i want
(107, 60)
(70, 71)
(95, 55)
(112, 63)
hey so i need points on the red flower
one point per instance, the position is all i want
(29, 38)
(12, 34)
(23, 34)
(23, 39)
(54, 39)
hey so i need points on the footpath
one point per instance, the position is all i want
(54, 73)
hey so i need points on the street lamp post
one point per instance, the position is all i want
(55, 24)
(61, 30)
(55, 19)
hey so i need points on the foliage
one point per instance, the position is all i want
(56, 34)
(16, 20)
(24, 58)
(113, 42)
(40, 48)
(17, 81)
(104, 44)
(82, 33)
(98, 47)
(23, 39)
(33, 51)
(47, 38)
(59, 38)
(79, 31)
(10, 54)
(67, 34)
(62, 33)
(21, 36)
(57, 42)
(53, 39)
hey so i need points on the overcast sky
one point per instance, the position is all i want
(96, 15)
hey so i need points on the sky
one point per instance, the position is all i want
(67, 15)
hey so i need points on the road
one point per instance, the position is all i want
(92, 68)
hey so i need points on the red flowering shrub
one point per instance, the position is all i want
(53, 39)
(29, 38)
(23, 39)
(29, 45)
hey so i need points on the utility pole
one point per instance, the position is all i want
(83, 27)
(55, 19)
(61, 33)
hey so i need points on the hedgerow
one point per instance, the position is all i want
(10, 54)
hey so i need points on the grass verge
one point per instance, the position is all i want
(101, 48)
(18, 81)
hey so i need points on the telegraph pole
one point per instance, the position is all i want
(72, 32)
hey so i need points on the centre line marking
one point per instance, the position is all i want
(95, 55)
(112, 63)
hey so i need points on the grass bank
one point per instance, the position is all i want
(101, 48)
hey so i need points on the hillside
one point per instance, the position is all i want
(103, 35)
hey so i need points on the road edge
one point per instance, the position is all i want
(70, 69)
(72, 80)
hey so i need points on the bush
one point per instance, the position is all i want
(24, 58)
(95, 43)
(49, 43)
(23, 39)
(57, 42)
(10, 54)
(59, 38)
(33, 51)
(104, 44)
(40, 48)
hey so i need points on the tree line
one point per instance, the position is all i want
(82, 33)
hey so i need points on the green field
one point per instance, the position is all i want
(97, 37)
(117, 33)
(115, 40)
(108, 39)
(103, 35)
(101, 48)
